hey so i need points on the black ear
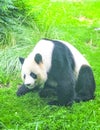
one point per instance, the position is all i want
(21, 60)
(38, 58)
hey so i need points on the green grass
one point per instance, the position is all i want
(70, 21)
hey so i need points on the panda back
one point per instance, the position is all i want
(45, 47)
(78, 57)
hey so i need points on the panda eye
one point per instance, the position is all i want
(33, 75)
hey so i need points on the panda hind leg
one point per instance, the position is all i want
(65, 94)
(85, 85)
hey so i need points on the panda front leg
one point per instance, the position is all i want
(65, 95)
(47, 91)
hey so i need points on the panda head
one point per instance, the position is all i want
(33, 71)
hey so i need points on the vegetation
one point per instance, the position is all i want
(22, 24)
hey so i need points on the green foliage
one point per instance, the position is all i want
(6, 12)
(22, 24)
(10, 17)
(6, 20)
(31, 112)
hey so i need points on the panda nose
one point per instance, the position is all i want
(28, 84)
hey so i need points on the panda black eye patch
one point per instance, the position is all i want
(33, 75)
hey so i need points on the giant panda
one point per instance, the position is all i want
(58, 66)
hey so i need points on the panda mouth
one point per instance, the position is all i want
(39, 83)
(29, 86)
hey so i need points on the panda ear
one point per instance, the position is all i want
(38, 58)
(21, 60)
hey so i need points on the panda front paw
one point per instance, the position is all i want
(22, 90)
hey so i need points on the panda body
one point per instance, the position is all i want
(78, 57)
(58, 66)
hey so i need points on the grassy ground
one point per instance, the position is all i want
(76, 22)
